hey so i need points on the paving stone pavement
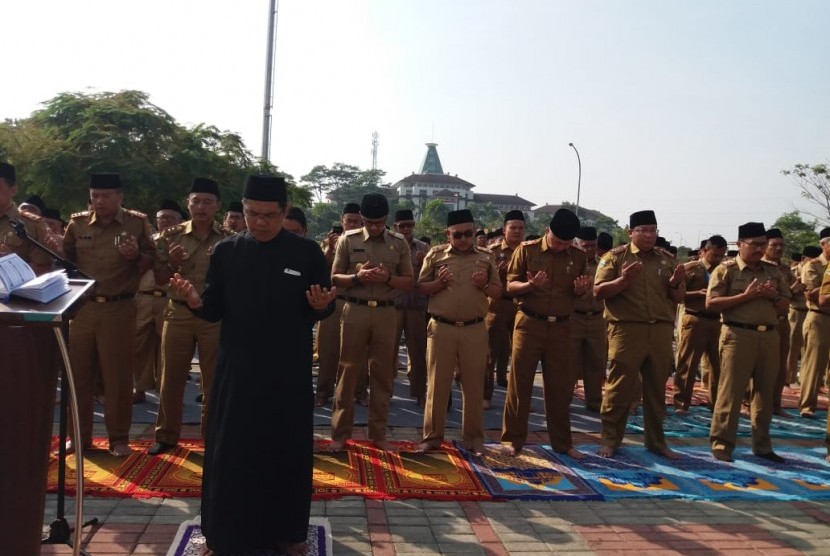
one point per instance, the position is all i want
(362, 527)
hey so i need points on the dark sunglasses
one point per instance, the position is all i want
(459, 235)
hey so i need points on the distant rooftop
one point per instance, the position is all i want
(432, 164)
(498, 199)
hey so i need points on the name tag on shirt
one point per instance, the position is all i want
(292, 272)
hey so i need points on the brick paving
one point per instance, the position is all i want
(361, 527)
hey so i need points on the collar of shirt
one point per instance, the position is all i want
(119, 217)
(383, 237)
(215, 228)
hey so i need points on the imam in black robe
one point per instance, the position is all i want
(256, 487)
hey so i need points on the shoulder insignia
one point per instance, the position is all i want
(439, 247)
(532, 241)
(730, 262)
(173, 230)
(482, 250)
(396, 235)
(664, 252)
(29, 216)
(618, 249)
(577, 248)
(353, 232)
(82, 214)
(136, 213)
(770, 263)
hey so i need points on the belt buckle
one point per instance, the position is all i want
(100, 299)
(761, 328)
(459, 323)
(551, 319)
(372, 303)
(651, 322)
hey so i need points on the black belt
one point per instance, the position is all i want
(154, 293)
(587, 313)
(367, 302)
(703, 314)
(111, 298)
(548, 318)
(800, 310)
(458, 323)
(755, 327)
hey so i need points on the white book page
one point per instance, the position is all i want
(13, 272)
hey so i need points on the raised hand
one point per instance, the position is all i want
(678, 276)
(632, 270)
(128, 247)
(185, 288)
(479, 278)
(539, 280)
(581, 284)
(319, 297)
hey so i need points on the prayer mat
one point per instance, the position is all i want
(532, 475)
(177, 473)
(437, 475)
(189, 540)
(634, 472)
(696, 423)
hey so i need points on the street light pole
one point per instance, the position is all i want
(579, 178)
(269, 80)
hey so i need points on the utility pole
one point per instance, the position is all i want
(375, 150)
(579, 178)
(269, 80)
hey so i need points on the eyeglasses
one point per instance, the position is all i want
(267, 216)
(458, 235)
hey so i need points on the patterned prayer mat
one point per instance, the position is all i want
(361, 470)
(532, 475)
(139, 475)
(696, 424)
(636, 473)
(189, 539)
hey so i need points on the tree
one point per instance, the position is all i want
(344, 183)
(433, 221)
(321, 217)
(797, 233)
(75, 134)
(814, 182)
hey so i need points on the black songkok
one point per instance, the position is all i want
(235, 206)
(167, 204)
(105, 180)
(52, 214)
(459, 217)
(7, 173)
(588, 233)
(297, 215)
(374, 205)
(514, 215)
(564, 224)
(205, 185)
(37, 201)
(266, 188)
(774, 233)
(752, 229)
(480, 232)
(605, 241)
(642, 218)
(811, 251)
(404, 214)
(351, 208)
(825, 232)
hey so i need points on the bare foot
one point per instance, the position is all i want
(205, 551)
(337, 446)
(827, 459)
(667, 453)
(487, 405)
(509, 450)
(679, 411)
(606, 451)
(425, 447)
(574, 453)
(384, 445)
(297, 549)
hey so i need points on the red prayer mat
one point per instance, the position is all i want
(360, 470)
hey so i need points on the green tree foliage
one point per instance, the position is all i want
(75, 134)
(797, 233)
(344, 183)
(814, 183)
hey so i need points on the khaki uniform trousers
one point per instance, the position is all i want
(102, 340)
(536, 340)
(640, 356)
(745, 355)
(500, 332)
(182, 332)
(367, 337)
(589, 356)
(328, 351)
(450, 347)
(796, 318)
(27, 405)
(149, 321)
(783, 353)
(414, 322)
(698, 336)
(816, 355)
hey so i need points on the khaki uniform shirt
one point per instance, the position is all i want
(355, 248)
(812, 276)
(562, 269)
(588, 303)
(91, 246)
(36, 229)
(697, 278)
(410, 299)
(646, 299)
(502, 253)
(460, 300)
(195, 266)
(824, 289)
(799, 300)
(733, 277)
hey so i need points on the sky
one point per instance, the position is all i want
(688, 107)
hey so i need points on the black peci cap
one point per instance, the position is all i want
(514, 215)
(751, 229)
(404, 214)
(105, 180)
(374, 205)
(459, 217)
(564, 224)
(204, 185)
(267, 188)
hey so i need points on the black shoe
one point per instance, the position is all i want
(592, 408)
(808, 415)
(502, 381)
(773, 457)
(160, 448)
(199, 398)
(722, 455)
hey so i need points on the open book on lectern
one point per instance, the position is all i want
(18, 278)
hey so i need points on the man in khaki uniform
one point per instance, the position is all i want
(150, 304)
(369, 265)
(816, 330)
(545, 274)
(640, 285)
(234, 219)
(412, 314)
(114, 246)
(798, 311)
(750, 293)
(772, 254)
(824, 304)
(459, 277)
(185, 249)
(501, 313)
(589, 343)
(699, 329)
(328, 330)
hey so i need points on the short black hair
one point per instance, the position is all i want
(297, 215)
(715, 242)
